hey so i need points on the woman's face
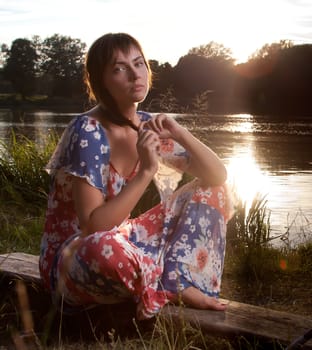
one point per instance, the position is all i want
(126, 78)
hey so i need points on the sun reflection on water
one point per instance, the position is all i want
(246, 177)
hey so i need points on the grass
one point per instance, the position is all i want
(255, 271)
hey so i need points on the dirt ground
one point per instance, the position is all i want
(287, 291)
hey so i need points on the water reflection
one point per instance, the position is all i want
(245, 175)
(270, 156)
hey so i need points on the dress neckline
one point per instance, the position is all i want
(131, 174)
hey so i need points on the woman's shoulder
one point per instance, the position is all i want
(86, 126)
(86, 121)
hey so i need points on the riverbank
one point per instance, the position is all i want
(42, 102)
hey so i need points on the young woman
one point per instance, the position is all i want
(93, 251)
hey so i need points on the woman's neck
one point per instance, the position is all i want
(130, 113)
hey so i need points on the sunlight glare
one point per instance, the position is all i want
(246, 178)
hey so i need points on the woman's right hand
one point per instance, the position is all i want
(148, 149)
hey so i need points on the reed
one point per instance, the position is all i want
(22, 175)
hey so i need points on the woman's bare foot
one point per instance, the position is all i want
(194, 297)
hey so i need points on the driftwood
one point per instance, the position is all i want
(239, 319)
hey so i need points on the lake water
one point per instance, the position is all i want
(266, 155)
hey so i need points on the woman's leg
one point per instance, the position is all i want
(106, 268)
(194, 256)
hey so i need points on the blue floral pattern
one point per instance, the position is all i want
(176, 244)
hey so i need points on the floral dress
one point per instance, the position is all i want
(176, 244)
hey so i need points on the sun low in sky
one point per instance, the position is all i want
(167, 29)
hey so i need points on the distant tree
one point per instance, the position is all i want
(20, 66)
(62, 61)
(270, 50)
(162, 81)
(212, 50)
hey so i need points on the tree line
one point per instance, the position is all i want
(275, 80)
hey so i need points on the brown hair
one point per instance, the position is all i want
(98, 57)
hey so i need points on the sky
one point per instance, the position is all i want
(167, 29)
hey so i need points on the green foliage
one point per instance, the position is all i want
(22, 174)
(21, 230)
(248, 240)
(305, 253)
(23, 190)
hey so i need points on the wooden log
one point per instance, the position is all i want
(21, 265)
(239, 319)
(245, 320)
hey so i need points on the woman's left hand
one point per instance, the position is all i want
(164, 126)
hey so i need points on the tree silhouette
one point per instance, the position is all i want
(62, 59)
(276, 79)
(213, 50)
(20, 66)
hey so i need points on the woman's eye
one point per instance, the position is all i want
(120, 69)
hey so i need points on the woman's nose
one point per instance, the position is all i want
(133, 74)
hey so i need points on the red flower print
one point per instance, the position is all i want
(166, 146)
(202, 258)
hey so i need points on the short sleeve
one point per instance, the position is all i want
(83, 151)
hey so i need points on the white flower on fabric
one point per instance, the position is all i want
(82, 164)
(96, 157)
(210, 244)
(104, 172)
(120, 265)
(152, 217)
(172, 275)
(97, 135)
(203, 222)
(192, 228)
(184, 237)
(91, 125)
(130, 285)
(188, 221)
(107, 251)
(84, 143)
(104, 149)
(95, 238)
(209, 192)
(142, 232)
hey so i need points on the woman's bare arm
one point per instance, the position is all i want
(94, 212)
(204, 163)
